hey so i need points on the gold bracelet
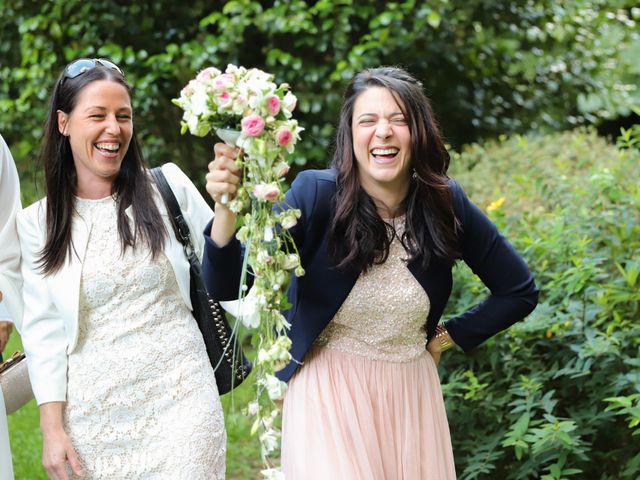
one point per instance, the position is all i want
(444, 338)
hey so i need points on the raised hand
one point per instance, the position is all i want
(223, 178)
(224, 174)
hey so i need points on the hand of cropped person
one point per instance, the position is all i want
(57, 448)
(223, 178)
(5, 331)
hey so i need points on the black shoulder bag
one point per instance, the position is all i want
(230, 365)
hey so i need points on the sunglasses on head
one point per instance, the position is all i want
(78, 67)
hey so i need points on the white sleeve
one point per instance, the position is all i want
(4, 313)
(43, 331)
(10, 279)
(194, 208)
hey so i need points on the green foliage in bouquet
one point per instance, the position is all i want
(558, 395)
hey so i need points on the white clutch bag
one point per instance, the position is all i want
(14, 382)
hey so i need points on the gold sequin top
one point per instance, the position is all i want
(384, 315)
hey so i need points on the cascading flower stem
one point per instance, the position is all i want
(249, 102)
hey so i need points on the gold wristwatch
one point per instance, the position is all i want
(442, 335)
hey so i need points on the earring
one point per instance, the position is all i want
(414, 175)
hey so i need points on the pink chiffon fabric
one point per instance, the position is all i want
(354, 418)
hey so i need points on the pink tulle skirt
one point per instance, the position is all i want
(352, 418)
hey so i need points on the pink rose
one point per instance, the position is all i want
(222, 82)
(253, 125)
(266, 192)
(273, 104)
(284, 136)
(223, 99)
(208, 73)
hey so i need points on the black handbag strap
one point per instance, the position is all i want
(180, 227)
(217, 332)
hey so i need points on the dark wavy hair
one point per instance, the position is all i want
(358, 237)
(132, 186)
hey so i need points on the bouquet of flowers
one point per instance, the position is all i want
(245, 108)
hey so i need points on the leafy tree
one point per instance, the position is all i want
(491, 67)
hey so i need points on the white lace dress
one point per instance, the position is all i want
(142, 401)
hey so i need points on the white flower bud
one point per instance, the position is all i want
(253, 408)
(268, 234)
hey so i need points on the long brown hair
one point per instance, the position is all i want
(132, 186)
(358, 237)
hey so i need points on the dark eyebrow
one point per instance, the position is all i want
(102, 109)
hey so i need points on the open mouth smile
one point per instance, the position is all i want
(384, 155)
(108, 149)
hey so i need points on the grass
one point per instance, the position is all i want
(243, 450)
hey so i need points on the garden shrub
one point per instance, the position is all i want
(558, 395)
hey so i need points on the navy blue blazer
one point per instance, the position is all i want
(317, 296)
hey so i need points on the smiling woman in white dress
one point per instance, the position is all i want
(9, 274)
(117, 363)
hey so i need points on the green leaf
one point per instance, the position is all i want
(434, 19)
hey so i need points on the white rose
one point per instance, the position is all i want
(290, 101)
(273, 474)
(289, 218)
(268, 234)
(263, 256)
(200, 100)
(249, 312)
(253, 408)
(291, 261)
(281, 169)
(269, 441)
(275, 387)
(263, 356)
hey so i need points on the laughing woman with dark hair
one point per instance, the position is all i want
(378, 237)
(107, 304)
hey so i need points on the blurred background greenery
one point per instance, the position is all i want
(531, 96)
(490, 67)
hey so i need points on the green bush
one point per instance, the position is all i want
(558, 395)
